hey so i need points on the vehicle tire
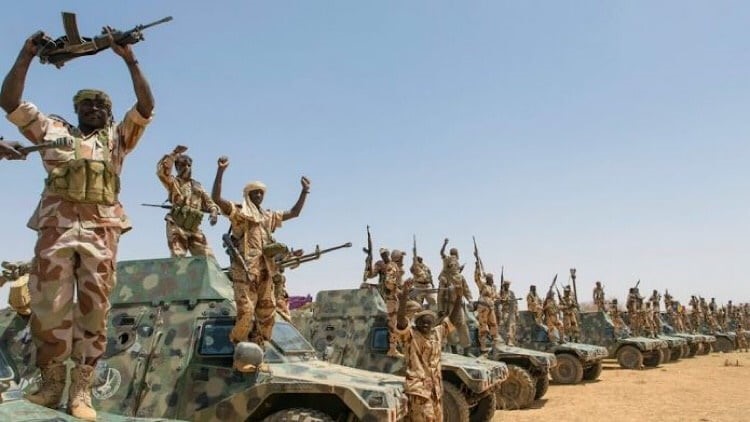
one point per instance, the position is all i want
(299, 415)
(654, 359)
(676, 354)
(666, 355)
(693, 349)
(592, 372)
(542, 385)
(723, 344)
(707, 348)
(517, 391)
(629, 357)
(484, 411)
(455, 406)
(685, 350)
(569, 369)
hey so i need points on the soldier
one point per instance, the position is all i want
(281, 295)
(656, 311)
(392, 286)
(17, 273)
(378, 270)
(741, 339)
(534, 304)
(79, 221)
(569, 309)
(422, 349)
(617, 321)
(644, 314)
(453, 291)
(509, 312)
(636, 324)
(599, 297)
(252, 228)
(552, 317)
(8, 150)
(485, 308)
(189, 201)
(422, 277)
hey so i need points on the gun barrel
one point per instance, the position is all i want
(154, 23)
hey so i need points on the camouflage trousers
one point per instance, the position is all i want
(391, 306)
(742, 341)
(509, 328)
(256, 306)
(554, 326)
(281, 295)
(422, 296)
(487, 324)
(72, 263)
(181, 241)
(570, 325)
(461, 334)
(422, 409)
(18, 297)
(600, 306)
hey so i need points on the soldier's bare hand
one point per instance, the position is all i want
(179, 149)
(124, 51)
(445, 241)
(34, 42)
(213, 218)
(305, 183)
(9, 150)
(223, 162)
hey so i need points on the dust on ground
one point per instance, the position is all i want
(707, 388)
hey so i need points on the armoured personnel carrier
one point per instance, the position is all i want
(576, 362)
(698, 344)
(631, 352)
(725, 341)
(528, 370)
(169, 355)
(676, 346)
(349, 327)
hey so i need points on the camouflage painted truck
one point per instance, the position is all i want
(631, 352)
(725, 341)
(169, 355)
(528, 370)
(349, 327)
(676, 346)
(576, 362)
(698, 344)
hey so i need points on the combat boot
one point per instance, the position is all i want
(79, 401)
(51, 388)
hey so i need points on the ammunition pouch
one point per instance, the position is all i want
(85, 181)
(187, 218)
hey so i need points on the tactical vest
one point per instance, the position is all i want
(84, 180)
(188, 218)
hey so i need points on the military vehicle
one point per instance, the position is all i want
(576, 362)
(698, 344)
(349, 327)
(676, 346)
(528, 370)
(725, 341)
(169, 355)
(631, 352)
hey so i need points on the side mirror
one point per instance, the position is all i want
(248, 357)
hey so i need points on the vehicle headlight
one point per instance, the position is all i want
(474, 373)
(375, 399)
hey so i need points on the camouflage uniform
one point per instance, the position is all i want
(570, 319)
(485, 311)
(424, 382)
(552, 317)
(617, 322)
(189, 200)
(448, 299)
(252, 227)
(78, 233)
(741, 339)
(378, 270)
(394, 274)
(281, 295)
(599, 297)
(656, 311)
(422, 278)
(508, 312)
(534, 304)
(631, 305)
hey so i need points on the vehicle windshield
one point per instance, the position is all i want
(288, 339)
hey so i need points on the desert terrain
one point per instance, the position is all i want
(709, 388)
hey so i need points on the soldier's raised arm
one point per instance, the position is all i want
(297, 208)
(442, 250)
(224, 205)
(143, 95)
(164, 169)
(15, 81)
(402, 321)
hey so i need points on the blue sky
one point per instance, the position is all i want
(609, 136)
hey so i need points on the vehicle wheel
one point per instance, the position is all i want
(707, 348)
(592, 372)
(517, 391)
(666, 356)
(542, 385)
(723, 344)
(654, 359)
(629, 357)
(685, 350)
(299, 415)
(676, 354)
(693, 349)
(484, 411)
(569, 370)
(455, 407)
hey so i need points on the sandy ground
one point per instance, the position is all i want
(698, 389)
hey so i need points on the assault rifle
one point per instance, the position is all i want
(293, 261)
(234, 254)
(479, 260)
(57, 143)
(414, 250)
(368, 252)
(554, 281)
(72, 45)
(575, 290)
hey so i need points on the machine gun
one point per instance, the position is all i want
(293, 261)
(72, 45)
(167, 207)
(368, 252)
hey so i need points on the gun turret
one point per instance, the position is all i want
(292, 261)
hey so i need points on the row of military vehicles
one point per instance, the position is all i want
(169, 357)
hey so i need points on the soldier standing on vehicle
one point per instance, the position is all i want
(741, 339)
(534, 304)
(617, 322)
(378, 270)
(508, 312)
(454, 290)
(485, 312)
(252, 228)
(656, 311)
(79, 221)
(423, 345)
(599, 297)
(552, 318)
(636, 324)
(189, 202)
(422, 277)
(394, 273)
(569, 309)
